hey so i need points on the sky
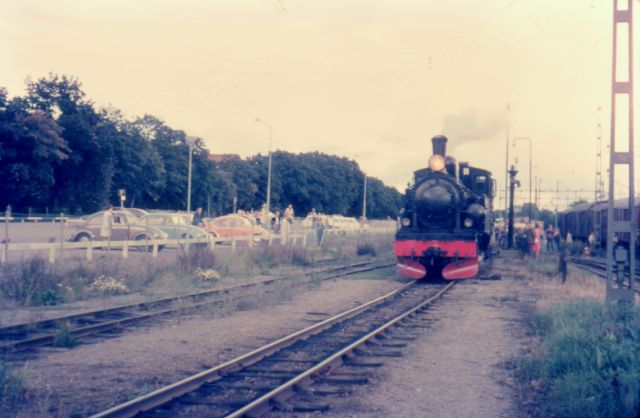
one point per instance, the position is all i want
(369, 80)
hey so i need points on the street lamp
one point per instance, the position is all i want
(191, 140)
(269, 169)
(530, 170)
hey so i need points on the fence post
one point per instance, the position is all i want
(304, 239)
(52, 254)
(62, 222)
(154, 253)
(212, 243)
(125, 249)
(89, 250)
(5, 249)
(233, 245)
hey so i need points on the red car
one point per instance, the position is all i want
(236, 226)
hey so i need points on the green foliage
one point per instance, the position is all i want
(266, 257)
(366, 248)
(64, 338)
(30, 282)
(196, 258)
(60, 152)
(590, 360)
(11, 390)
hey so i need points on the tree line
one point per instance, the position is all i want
(59, 152)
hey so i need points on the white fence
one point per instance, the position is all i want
(152, 246)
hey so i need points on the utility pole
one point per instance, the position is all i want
(512, 185)
(621, 261)
(506, 167)
(599, 191)
(557, 198)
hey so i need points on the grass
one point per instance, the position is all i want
(584, 357)
(35, 282)
(64, 338)
(11, 387)
(588, 361)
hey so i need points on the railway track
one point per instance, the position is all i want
(599, 268)
(27, 336)
(296, 373)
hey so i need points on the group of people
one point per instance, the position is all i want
(529, 241)
(277, 221)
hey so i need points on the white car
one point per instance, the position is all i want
(342, 222)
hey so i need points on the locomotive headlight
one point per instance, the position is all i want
(436, 162)
(406, 222)
(468, 222)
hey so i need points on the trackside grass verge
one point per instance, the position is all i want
(587, 362)
(11, 391)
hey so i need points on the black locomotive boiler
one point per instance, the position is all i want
(445, 226)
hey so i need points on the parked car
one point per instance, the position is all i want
(174, 224)
(135, 211)
(125, 227)
(236, 226)
(342, 222)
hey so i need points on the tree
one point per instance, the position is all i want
(138, 167)
(83, 181)
(31, 148)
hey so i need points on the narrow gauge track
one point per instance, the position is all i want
(291, 373)
(31, 335)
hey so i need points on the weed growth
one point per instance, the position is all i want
(64, 338)
(366, 248)
(30, 282)
(589, 361)
(11, 391)
(196, 258)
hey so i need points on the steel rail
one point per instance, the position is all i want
(333, 359)
(41, 340)
(182, 387)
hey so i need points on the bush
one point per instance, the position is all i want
(31, 282)
(266, 257)
(590, 360)
(366, 248)
(196, 257)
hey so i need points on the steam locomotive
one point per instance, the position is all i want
(445, 226)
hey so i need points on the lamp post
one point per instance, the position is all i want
(191, 140)
(513, 183)
(530, 169)
(269, 165)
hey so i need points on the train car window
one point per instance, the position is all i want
(465, 171)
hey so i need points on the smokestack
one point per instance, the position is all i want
(439, 143)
